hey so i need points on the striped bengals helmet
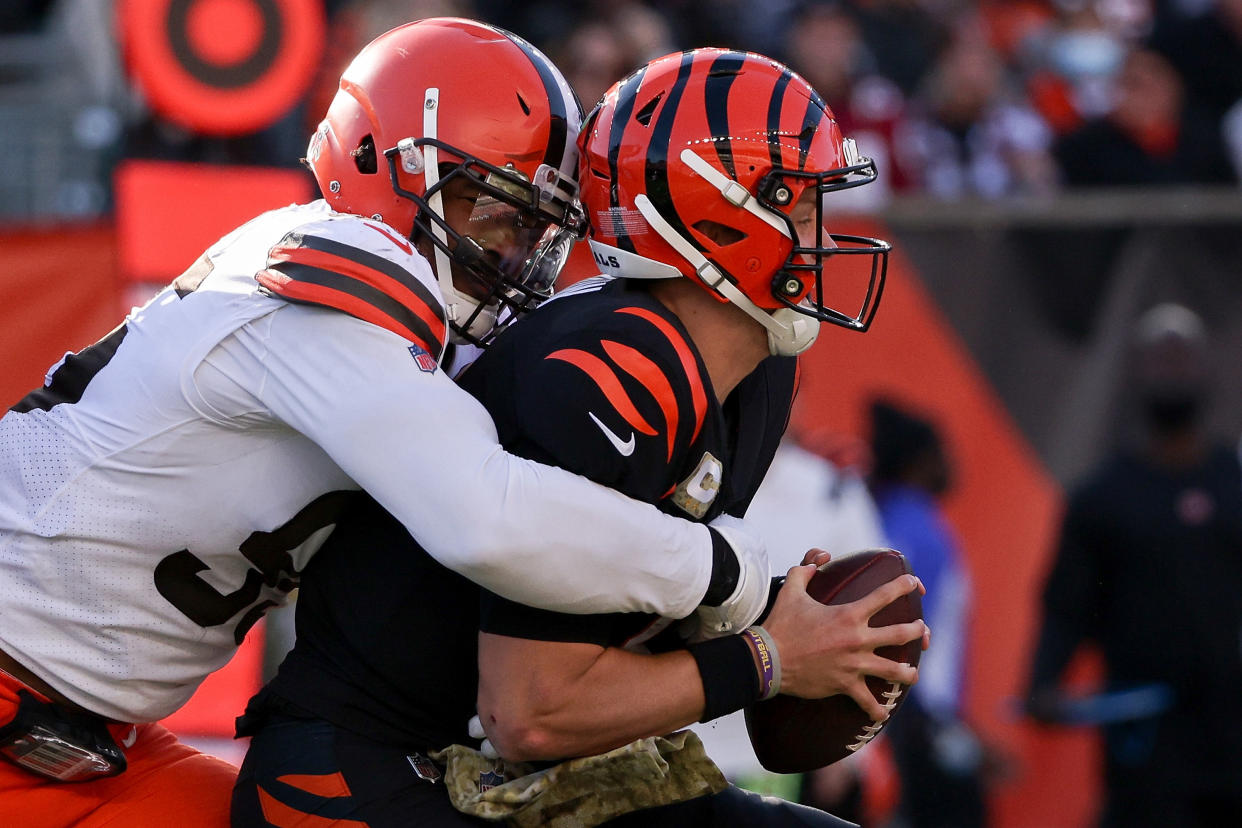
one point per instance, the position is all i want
(442, 98)
(714, 165)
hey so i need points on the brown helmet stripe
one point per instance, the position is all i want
(563, 101)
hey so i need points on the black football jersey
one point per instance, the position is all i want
(607, 383)
(603, 382)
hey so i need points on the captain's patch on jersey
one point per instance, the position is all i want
(695, 494)
(425, 361)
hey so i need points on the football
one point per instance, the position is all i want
(793, 735)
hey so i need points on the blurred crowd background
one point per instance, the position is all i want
(1051, 171)
(955, 98)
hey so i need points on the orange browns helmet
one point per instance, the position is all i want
(440, 98)
(714, 165)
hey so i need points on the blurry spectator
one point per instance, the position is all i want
(739, 24)
(593, 58)
(1206, 50)
(1149, 138)
(824, 44)
(939, 759)
(1149, 567)
(904, 36)
(968, 133)
(606, 47)
(1070, 63)
(570, 33)
(354, 23)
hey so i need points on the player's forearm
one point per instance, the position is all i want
(428, 452)
(555, 540)
(535, 706)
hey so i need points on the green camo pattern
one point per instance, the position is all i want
(584, 792)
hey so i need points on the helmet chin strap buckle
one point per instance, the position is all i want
(706, 271)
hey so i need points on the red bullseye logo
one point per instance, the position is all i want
(243, 21)
(222, 67)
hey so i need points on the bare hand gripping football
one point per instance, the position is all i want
(793, 735)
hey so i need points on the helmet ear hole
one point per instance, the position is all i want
(364, 156)
(722, 234)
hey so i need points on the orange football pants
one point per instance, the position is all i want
(165, 783)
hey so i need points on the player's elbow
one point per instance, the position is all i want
(526, 728)
(524, 741)
(520, 732)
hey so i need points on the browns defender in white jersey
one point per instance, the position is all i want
(167, 484)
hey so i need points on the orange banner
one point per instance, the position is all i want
(59, 291)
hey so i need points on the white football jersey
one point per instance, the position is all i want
(168, 484)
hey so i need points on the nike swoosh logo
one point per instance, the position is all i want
(401, 243)
(625, 447)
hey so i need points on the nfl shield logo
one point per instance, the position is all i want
(424, 767)
(490, 779)
(425, 361)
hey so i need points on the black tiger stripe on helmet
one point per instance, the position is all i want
(775, 106)
(720, 77)
(816, 112)
(626, 98)
(658, 150)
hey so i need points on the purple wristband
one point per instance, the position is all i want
(769, 660)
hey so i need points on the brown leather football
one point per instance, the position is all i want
(793, 735)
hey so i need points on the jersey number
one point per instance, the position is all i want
(177, 576)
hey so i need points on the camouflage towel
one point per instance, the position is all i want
(585, 792)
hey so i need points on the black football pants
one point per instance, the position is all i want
(298, 768)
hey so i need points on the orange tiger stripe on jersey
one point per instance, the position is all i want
(653, 379)
(608, 383)
(320, 784)
(367, 275)
(281, 815)
(698, 394)
(299, 291)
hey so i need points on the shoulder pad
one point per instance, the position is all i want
(362, 268)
